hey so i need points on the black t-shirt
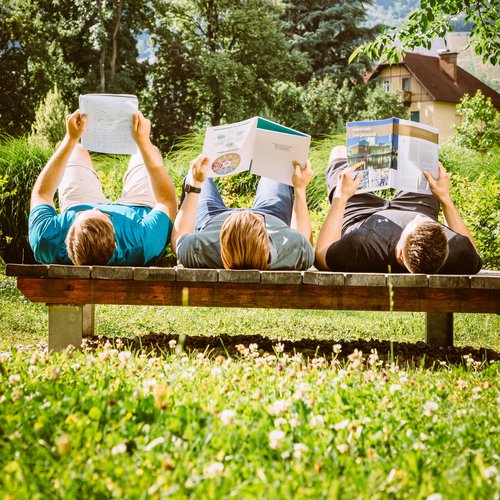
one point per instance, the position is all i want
(370, 246)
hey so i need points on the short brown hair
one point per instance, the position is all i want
(90, 242)
(244, 242)
(426, 248)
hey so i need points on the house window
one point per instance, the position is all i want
(415, 116)
(386, 85)
(406, 84)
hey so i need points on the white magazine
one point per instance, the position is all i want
(109, 122)
(261, 146)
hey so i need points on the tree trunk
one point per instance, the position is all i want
(114, 49)
(102, 69)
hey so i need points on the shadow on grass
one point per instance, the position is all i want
(403, 353)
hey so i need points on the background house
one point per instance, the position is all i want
(432, 87)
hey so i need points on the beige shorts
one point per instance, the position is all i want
(81, 185)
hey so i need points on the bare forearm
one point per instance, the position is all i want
(46, 185)
(454, 221)
(330, 232)
(301, 221)
(186, 218)
(163, 188)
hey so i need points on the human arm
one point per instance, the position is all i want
(186, 216)
(331, 231)
(163, 188)
(301, 220)
(46, 184)
(440, 188)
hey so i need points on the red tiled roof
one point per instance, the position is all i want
(438, 83)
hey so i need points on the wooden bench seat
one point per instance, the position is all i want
(72, 291)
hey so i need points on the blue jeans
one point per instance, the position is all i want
(271, 198)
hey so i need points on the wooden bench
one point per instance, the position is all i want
(72, 291)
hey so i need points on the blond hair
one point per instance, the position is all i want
(244, 242)
(90, 242)
(426, 248)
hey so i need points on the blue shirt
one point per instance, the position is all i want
(141, 233)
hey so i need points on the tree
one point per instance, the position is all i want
(480, 128)
(327, 31)
(379, 104)
(435, 19)
(227, 56)
(76, 45)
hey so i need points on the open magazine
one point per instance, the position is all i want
(396, 152)
(261, 146)
(109, 122)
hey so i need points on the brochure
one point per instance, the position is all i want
(109, 122)
(396, 152)
(261, 146)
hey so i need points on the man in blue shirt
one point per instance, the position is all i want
(91, 230)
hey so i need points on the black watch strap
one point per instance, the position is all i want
(191, 189)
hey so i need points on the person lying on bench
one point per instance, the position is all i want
(275, 233)
(91, 230)
(365, 233)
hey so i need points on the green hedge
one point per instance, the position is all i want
(475, 187)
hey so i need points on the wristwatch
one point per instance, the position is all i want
(191, 189)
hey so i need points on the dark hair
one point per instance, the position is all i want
(426, 248)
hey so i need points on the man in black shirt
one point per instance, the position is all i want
(365, 233)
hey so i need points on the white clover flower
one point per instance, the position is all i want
(435, 496)
(14, 379)
(172, 344)
(279, 347)
(214, 470)
(276, 438)
(337, 348)
(341, 425)
(294, 422)
(55, 373)
(124, 356)
(490, 472)
(430, 407)
(119, 448)
(342, 448)
(299, 450)
(253, 347)
(394, 388)
(403, 379)
(279, 422)
(32, 370)
(227, 416)
(4, 356)
(316, 420)
(280, 406)
(149, 384)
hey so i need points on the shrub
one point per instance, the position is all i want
(50, 119)
(479, 204)
(480, 129)
(469, 163)
(20, 164)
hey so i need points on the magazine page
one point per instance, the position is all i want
(275, 152)
(109, 122)
(372, 142)
(229, 147)
(417, 146)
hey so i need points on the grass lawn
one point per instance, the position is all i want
(111, 423)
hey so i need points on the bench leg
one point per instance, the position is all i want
(68, 324)
(439, 329)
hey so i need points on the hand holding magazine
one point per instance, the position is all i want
(396, 152)
(261, 146)
(109, 122)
